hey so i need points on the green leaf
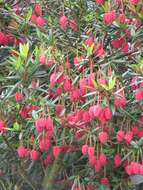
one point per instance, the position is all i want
(105, 87)
(106, 6)
(135, 67)
(90, 50)
(29, 14)
(34, 114)
(141, 63)
(139, 66)
(102, 187)
(38, 33)
(112, 83)
(140, 16)
(133, 32)
(24, 49)
(87, 103)
(134, 144)
(95, 84)
(37, 53)
(113, 109)
(90, 94)
(16, 126)
(19, 64)
(11, 90)
(140, 142)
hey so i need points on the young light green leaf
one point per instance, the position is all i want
(16, 126)
(112, 83)
(24, 49)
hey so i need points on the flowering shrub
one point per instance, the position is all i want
(71, 94)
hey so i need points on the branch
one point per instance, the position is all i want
(49, 178)
(22, 172)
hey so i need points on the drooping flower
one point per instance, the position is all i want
(50, 62)
(135, 167)
(33, 18)
(107, 113)
(118, 42)
(97, 166)
(95, 111)
(17, 9)
(2, 36)
(139, 94)
(72, 24)
(74, 95)
(67, 85)
(128, 137)
(91, 150)
(103, 159)
(49, 123)
(56, 151)
(2, 125)
(89, 42)
(59, 108)
(104, 181)
(84, 149)
(44, 144)
(38, 9)
(99, 2)
(135, 130)
(125, 48)
(129, 170)
(63, 21)
(47, 160)
(86, 117)
(22, 151)
(134, 83)
(103, 137)
(83, 84)
(141, 170)
(34, 154)
(40, 21)
(117, 160)
(120, 102)
(24, 112)
(18, 96)
(99, 51)
(92, 160)
(134, 2)
(40, 124)
(120, 135)
(122, 18)
(109, 17)
(42, 59)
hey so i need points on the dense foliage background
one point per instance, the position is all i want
(71, 94)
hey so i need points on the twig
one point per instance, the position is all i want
(48, 181)
(22, 172)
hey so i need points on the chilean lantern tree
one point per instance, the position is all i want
(71, 94)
